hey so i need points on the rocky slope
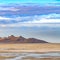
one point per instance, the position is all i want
(20, 39)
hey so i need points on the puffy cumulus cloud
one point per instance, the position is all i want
(51, 20)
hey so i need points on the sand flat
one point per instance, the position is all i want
(29, 47)
(51, 58)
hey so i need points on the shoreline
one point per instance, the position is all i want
(29, 51)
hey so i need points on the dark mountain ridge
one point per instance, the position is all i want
(20, 39)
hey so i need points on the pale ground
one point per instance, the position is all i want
(29, 47)
(31, 58)
(35, 47)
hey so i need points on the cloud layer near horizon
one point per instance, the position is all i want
(49, 20)
(29, 16)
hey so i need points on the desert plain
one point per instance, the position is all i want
(39, 48)
(30, 47)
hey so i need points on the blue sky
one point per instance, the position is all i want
(31, 18)
(28, 1)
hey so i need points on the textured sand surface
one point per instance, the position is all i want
(42, 47)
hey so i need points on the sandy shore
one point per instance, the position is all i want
(43, 47)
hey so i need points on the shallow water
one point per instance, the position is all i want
(21, 56)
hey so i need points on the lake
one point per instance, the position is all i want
(30, 56)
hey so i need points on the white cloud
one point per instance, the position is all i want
(9, 8)
(4, 18)
(31, 25)
(30, 21)
(44, 20)
(51, 16)
(50, 21)
(32, 18)
(19, 18)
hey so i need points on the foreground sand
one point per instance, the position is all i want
(35, 47)
(31, 58)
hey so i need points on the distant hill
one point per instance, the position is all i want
(20, 39)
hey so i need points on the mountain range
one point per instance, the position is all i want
(20, 39)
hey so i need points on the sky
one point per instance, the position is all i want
(28, 1)
(31, 19)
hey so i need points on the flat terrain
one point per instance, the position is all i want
(30, 47)
(31, 58)
(15, 51)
